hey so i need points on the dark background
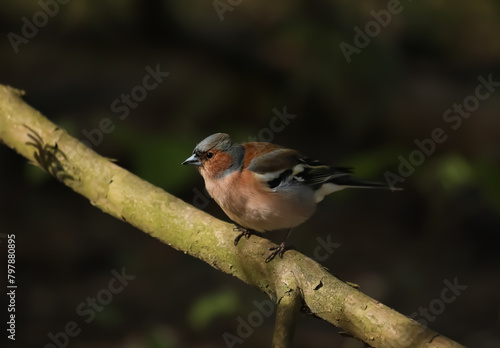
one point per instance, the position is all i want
(227, 76)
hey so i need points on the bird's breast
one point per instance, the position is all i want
(252, 204)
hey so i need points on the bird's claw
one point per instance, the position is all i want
(277, 250)
(244, 232)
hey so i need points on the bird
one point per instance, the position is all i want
(264, 187)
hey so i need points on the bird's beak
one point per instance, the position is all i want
(193, 160)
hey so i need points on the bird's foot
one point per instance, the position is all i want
(277, 250)
(244, 232)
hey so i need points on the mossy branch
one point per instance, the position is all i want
(183, 227)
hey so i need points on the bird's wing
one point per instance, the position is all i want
(278, 166)
(315, 173)
(274, 161)
(273, 164)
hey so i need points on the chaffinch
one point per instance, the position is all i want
(265, 187)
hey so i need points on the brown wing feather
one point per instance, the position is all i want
(269, 158)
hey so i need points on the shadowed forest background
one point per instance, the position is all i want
(227, 72)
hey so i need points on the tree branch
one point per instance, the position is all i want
(286, 316)
(178, 224)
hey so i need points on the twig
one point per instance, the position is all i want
(286, 317)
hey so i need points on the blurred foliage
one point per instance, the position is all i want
(210, 307)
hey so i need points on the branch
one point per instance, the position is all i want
(286, 315)
(178, 224)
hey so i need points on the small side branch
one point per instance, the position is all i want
(286, 318)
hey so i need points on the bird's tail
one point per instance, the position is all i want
(350, 181)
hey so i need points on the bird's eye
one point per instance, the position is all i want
(210, 155)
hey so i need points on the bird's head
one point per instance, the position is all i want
(216, 156)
